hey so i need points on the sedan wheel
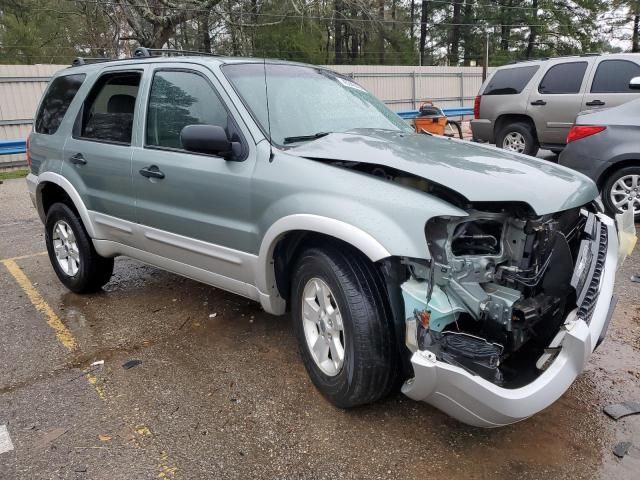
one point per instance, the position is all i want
(625, 193)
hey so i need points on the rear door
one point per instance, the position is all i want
(97, 157)
(609, 83)
(555, 102)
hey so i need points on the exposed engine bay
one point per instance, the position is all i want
(500, 283)
(498, 289)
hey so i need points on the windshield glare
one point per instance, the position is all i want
(306, 101)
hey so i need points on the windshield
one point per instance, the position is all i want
(307, 102)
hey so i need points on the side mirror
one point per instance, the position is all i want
(209, 139)
(634, 83)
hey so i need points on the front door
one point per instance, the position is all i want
(97, 157)
(193, 208)
(555, 102)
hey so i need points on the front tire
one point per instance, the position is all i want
(71, 252)
(342, 321)
(621, 191)
(518, 137)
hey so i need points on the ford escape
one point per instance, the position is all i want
(474, 279)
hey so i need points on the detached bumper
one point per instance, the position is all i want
(475, 401)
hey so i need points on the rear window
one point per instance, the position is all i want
(108, 110)
(563, 78)
(613, 76)
(510, 81)
(56, 102)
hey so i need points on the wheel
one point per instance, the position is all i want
(71, 252)
(621, 191)
(518, 137)
(453, 129)
(342, 321)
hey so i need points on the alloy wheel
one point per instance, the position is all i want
(323, 327)
(514, 142)
(66, 248)
(625, 193)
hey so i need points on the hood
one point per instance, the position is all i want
(480, 173)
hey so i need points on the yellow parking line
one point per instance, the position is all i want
(22, 257)
(65, 337)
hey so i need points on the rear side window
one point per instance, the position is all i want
(56, 102)
(563, 78)
(613, 76)
(510, 81)
(178, 99)
(107, 113)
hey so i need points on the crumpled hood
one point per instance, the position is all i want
(479, 173)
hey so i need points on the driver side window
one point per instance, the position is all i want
(178, 99)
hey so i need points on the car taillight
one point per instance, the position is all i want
(581, 131)
(476, 107)
(26, 151)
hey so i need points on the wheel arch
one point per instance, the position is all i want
(284, 239)
(51, 187)
(614, 166)
(508, 118)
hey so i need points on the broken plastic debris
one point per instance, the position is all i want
(105, 438)
(621, 449)
(213, 315)
(131, 364)
(97, 362)
(619, 410)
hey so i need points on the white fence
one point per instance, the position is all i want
(400, 87)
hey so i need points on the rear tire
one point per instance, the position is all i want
(613, 191)
(71, 252)
(518, 137)
(369, 365)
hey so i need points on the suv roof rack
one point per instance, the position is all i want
(88, 60)
(158, 52)
(139, 53)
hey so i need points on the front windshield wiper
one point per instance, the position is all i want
(302, 138)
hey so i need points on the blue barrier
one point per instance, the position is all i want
(449, 112)
(12, 147)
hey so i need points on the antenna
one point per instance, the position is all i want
(266, 92)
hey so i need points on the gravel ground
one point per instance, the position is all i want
(221, 393)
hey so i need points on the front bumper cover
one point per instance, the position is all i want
(476, 401)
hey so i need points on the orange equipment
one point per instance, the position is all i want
(430, 119)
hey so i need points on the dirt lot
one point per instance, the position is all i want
(220, 392)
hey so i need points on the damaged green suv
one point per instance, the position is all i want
(478, 280)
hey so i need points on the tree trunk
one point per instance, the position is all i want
(381, 27)
(635, 41)
(467, 36)
(423, 30)
(338, 39)
(412, 32)
(206, 37)
(531, 42)
(455, 33)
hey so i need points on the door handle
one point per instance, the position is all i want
(151, 172)
(539, 102)
(595, 103)
(78, 159)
